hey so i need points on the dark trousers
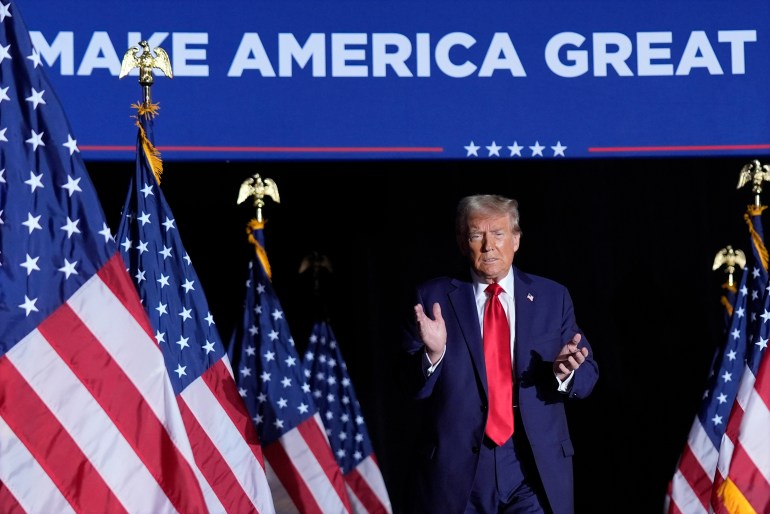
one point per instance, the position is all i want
(506, 481)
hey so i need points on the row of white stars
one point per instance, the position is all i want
(341, 452)
(514, 150)
(282, 403)
(265, 376)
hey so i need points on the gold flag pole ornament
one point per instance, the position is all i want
(755, 173)
(727, 257)
(146, 62)
(257, 188)
(315, 262)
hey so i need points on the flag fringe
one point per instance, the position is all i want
(253, 225)
(153, 155)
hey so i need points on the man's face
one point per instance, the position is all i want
(491, 245)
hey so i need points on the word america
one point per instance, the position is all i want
(456, 55)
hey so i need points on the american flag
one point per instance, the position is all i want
(690, 488)
(742, 481)
(341, 414)
(270, 377)
(228, 456)
(88, 422)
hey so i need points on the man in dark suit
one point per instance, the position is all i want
(463, 465)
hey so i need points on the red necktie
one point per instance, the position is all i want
(497, 356)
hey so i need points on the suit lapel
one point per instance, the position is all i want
(524, 304)
(464, 304)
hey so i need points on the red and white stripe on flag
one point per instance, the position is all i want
(307, 470)
(690, 488)
(366, 488)
(746, 486)
(225, 443)
(88, 418)
(727, 448)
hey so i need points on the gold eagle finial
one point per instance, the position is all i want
(258, 188)
(729, 257)
(315, 262)
(755, 173)
(146, 62)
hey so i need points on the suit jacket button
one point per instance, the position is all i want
(475, 449)
(483, 407)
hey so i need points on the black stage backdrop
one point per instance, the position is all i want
(633, 239)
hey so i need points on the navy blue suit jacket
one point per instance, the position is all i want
(452, 402)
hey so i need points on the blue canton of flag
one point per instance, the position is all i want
(269, 370)
(271, 380)
(164, 276)
(224, 443)
(758, 283)
(336, 398)
(341, 414)
(53, 234)
(722, 385)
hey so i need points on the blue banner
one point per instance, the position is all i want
(546, 79)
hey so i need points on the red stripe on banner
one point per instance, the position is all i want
(364, 493)
(290, 478)
(126, 407)
(748, 479)
(696, 476)
(213, 465)
(319, 445)
(272, 149)
(675, 148)
(52, 446)
(8, 503)
(114, 275)
(222, 385)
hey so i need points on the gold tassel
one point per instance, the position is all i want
(261, 253)
(733, 499)
(756, 210)
(151, 153)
